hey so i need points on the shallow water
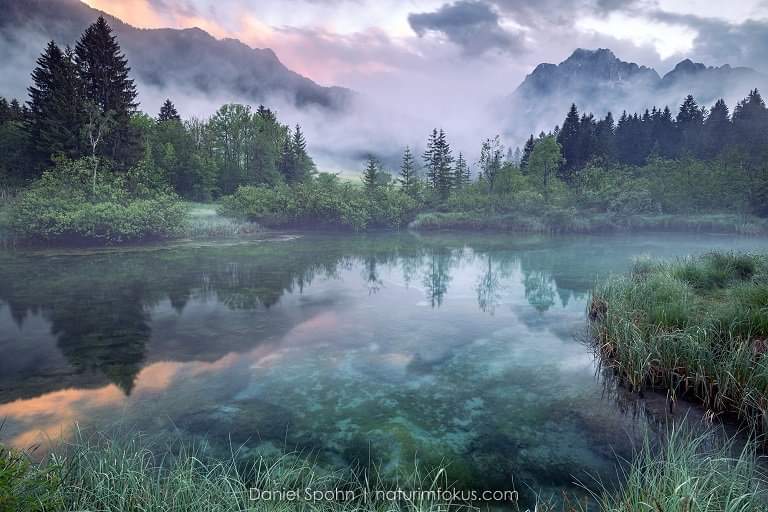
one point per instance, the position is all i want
(392, 349)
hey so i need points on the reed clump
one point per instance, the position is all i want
(696, 328)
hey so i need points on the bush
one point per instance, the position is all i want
(322, 202)
(66, 204)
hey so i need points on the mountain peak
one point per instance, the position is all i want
(688, 66)
(599, 67)
(586, 54)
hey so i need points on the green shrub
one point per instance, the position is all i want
(326, 202)
(66, 204)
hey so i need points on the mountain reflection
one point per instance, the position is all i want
(102, 308)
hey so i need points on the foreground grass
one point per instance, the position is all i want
(697, 328)
(690, 473)
(687, 473)
(576, 221)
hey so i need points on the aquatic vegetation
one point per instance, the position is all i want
(696, 328)
(690, 472)
(131, 472)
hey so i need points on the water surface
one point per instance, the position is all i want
(457, 349)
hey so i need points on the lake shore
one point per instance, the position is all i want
(588, 222)
(694, 328)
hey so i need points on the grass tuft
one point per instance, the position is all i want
(695, 327)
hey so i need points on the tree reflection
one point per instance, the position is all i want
(437, 275)
(540, 290)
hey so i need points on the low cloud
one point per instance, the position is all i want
(474, 26)
(721, 42)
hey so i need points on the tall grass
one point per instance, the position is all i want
(111, 473)
(690, 472)
(697, 328)
(204, 222)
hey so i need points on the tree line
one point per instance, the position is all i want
(694, 132)
(83, 103)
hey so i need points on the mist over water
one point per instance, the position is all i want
(386, 348)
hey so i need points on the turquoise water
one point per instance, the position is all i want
(390, 349)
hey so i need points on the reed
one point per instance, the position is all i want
(696, 328)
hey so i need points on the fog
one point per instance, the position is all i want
(402, 90)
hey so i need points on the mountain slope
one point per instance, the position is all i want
(599, 82)
(188, 60)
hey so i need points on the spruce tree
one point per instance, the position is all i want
(266, 114)
(750, 133)
(371, 175)
(717, 129)
(665, 134)
(305, 166)
(286, 164)
(445, 166)
(17, 112)
(690, 121)
(5, 110)
(55, 107)
(461, 176)
(568, 138)
(104, 73)
(407, 178)
(605, 131)
(430, 159)
(168, 112)
(527, 150)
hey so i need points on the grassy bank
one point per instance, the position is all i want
(686, 473)
(576, 221)
(696, 328)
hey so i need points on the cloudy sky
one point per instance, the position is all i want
(359, 43)
(435, 63)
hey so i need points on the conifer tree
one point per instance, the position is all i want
(604, 134)
(690, 121)
(371, 175)
(750, 124)
(568, 138)
(5, 110)
(717, 129)
(407, 178)
(55, 107)
(266, 114)
(104, 74)
(461, 176)
(430, 159)
(305, 166)
(17, 112)
(286, 164)
(665, 134)
(527, 150)
(438, 161)
(168, 112)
